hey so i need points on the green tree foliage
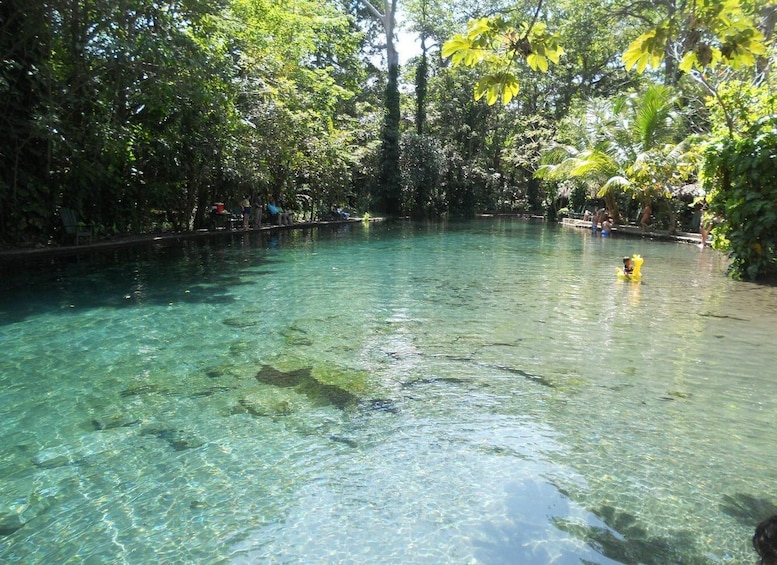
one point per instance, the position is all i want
(299, 80)
(390, 185)
(497, 43)
(117, 75)
(421, 88)
(421, 14)
(422, 166)
(491, 152)
(741, 177)
(699, 35)
(472, 136)
(631, 143)
(526, 142)
(389, 189)
(594, 36)
(140, 114)
(723, 45)
(593, 39)
(508, 42)
(25, 120)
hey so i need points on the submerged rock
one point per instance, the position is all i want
(435, 380)
(179, 440)
(54, 457)
(271, 376)
(210, 391)
(544, 381)
(381, 405)
(303, 381)
(138, 389)
(331, 394)
(297, 341)
(233, 371)
(296, 336)
(240, 322)
(112, 422)
(264, 406)
(344, 440)
(10, 523)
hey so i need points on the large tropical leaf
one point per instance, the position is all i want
(654, 116)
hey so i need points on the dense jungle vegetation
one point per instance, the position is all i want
(140, 114)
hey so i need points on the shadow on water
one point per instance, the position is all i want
(155, 274)
(529, 535)
(747, 509)
(623, 540)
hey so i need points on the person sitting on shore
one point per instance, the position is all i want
(281, 216)
(765, 541)
(285, 216)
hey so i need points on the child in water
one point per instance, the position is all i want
(628, 267)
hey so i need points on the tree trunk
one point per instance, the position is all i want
(390, 187)
(390, 182)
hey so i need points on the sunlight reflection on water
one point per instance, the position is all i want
(482, 392)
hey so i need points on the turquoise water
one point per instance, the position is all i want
(480, 392)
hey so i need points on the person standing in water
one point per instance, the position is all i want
(606, 226)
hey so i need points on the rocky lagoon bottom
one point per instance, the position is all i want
(475, 392)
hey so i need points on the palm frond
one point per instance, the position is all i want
(653, 115)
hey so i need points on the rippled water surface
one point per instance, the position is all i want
(480, 392)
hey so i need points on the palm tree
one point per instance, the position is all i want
(629, 143)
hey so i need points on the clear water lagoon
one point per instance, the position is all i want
(479, 392)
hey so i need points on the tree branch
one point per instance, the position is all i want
(534, 19)
(374, 11)
(729, 120)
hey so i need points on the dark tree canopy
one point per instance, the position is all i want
(139, 115)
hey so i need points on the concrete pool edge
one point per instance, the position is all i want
(58, 250)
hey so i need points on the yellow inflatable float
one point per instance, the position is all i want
(636, 273)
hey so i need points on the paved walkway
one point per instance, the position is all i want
(635, 231)
(31, 253)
